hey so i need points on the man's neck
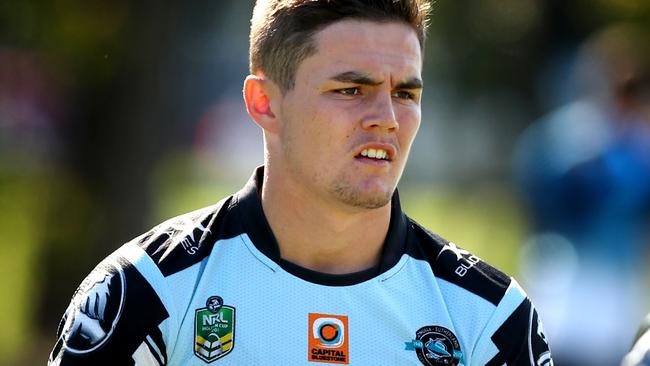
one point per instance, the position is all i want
(320, 236)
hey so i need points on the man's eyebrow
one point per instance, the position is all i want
(356, 77)
(413, 83)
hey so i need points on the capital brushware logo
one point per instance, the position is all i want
(328, 338)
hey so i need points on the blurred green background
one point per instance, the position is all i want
(117, 115)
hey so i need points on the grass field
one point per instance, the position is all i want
(19, 219)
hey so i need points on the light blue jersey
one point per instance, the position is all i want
(211, 287)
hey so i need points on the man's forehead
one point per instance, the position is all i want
(371, 48)
(357, 35)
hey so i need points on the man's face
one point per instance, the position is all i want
(348, 123)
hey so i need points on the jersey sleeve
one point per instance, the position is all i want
(515, 334)
(115, 317)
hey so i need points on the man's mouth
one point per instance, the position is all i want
(378, 154)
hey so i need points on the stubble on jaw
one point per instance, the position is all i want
(343, 187)
(358, 197)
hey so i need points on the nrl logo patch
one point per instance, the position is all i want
(214, 330)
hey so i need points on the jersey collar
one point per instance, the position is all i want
(249, 205)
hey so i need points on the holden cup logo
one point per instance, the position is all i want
(214, 330)
(95, 309)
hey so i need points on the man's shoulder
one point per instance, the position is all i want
(121, 310)
(185, 240)
(512, 324)
(458, 266)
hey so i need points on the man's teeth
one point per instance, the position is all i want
(375, 154)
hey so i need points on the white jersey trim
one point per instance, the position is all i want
(143, 356)
(639, 352)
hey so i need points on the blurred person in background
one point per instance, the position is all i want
(313, 259)
(584, 175)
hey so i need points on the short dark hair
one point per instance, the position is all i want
(282, 31)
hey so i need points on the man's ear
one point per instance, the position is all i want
(260, 94)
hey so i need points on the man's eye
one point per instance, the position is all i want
(349, 91)
(402, 94)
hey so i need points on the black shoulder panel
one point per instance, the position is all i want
(185, 240)
(110, 315)
(521, 340)
(457, 265)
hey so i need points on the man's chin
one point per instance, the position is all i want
(373, 203)
(364, 199)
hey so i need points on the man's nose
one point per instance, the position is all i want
(381, 114)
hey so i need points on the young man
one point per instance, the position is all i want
(313, 261)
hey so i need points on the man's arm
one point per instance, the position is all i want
(114, 318)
